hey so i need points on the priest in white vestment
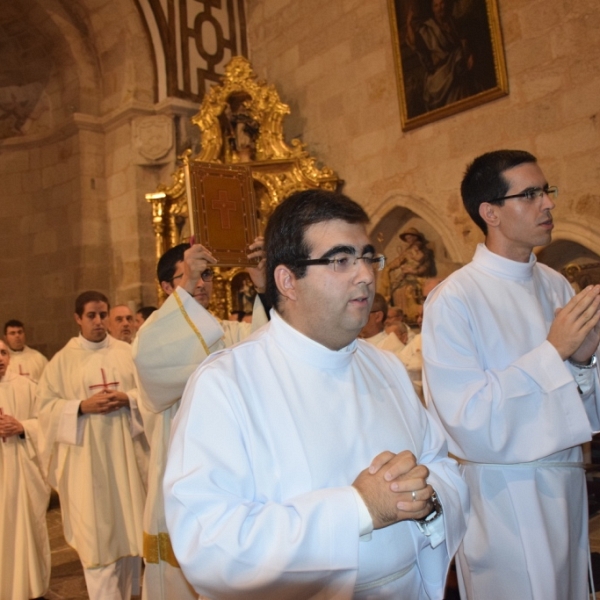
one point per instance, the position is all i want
(121, 323)
(23, 359)
(89, 419)
(24, 495)
(374, 333)
(515, 385)
(302, 464)
(173, 341)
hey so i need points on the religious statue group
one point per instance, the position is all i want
(326, 449)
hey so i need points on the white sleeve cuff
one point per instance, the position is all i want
(365, 522)
(584, 378)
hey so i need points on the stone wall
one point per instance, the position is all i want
(72, 210)
(333, 63)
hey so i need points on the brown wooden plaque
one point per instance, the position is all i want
(223, 213)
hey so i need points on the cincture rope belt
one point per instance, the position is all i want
(369, 585)
(525, 465)
(190, 322)
(539, 464)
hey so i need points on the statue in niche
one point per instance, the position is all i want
(415, 262)
(240, 128)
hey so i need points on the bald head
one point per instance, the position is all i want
(121, 324)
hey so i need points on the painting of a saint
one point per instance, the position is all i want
(449, 56)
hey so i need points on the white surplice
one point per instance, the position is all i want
(505, 397)
(386, 341)
(166, 352)
(91, 458)
(25, 562)
(269, 437)
(28, 362)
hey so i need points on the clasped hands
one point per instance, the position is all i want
(10, 426)
(103, 403)
(197, 258)
(394, 488)
(575, 331)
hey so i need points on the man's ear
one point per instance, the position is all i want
(167, 288)
(489, 213)
(285, 281)
(379, 316)
(77, 319)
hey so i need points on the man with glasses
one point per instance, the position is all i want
(510, 373)
(173, 341)
(302, 465)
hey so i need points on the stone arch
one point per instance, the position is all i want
(575, 252)
(398, 208)
(399, 213)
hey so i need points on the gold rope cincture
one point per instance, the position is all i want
(157, 548)
(190, 322)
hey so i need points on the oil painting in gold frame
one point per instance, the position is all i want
(449, 57)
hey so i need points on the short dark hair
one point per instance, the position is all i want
(284, 234)
(145, 311)
(89, 296)
(380, 304)
(13, 323)
(165, 269)
(484, 182)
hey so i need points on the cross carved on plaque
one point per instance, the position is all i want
(224, 205)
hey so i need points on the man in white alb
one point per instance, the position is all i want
(121, 323)
(411, 355)
(173, 341)
(510, 373)
(373, 331)
(24, 545)
(88, 421)
(302, 464)
(23, 359)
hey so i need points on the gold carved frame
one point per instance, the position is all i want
(240, 121)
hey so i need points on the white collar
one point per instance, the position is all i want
(87, 345)
(501, 266)
(305, 349)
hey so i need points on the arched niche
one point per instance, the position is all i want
(579, 264)
(385, 234)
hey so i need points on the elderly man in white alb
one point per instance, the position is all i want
(24, 545)
(302, 465)
(511, 374)
(374, 333)
(88, 422)
(172, 342)
(121, 323)
(23, 359)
